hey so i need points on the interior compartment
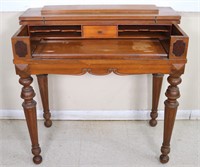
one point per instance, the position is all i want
(69, 31)
(144, 31)
(176, 31)
(23, 32)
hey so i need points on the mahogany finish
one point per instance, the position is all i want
(123, 39)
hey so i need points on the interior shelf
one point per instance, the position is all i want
(144, 31)
(55, 31)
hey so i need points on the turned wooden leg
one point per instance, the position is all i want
(43, 86)
(171, 105)
(29, 106)
(157, 84)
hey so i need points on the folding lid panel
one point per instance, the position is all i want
(103, 9)
(142, 13)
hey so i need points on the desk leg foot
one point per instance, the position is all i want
(37, 159)
(157, 84)
(164, 158)
(29, 106)
(171, 105)
(48, 123)
(43, 86)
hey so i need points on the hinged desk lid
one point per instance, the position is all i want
(103, 9)
(138, 13)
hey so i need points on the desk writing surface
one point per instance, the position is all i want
(104, 48)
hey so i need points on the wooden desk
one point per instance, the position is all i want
(125, 40)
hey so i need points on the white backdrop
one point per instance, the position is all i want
(21, 5)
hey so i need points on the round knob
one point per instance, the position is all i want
(100, 32)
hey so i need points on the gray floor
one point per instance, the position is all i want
(99, 144)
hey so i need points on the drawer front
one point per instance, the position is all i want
(99, 31)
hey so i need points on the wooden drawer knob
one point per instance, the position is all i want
(100, 32)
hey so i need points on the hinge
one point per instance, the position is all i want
(43, 20)
(155, 19)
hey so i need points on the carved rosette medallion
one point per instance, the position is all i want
(178, 48)
(21, 49)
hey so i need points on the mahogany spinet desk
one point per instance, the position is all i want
(123, 39)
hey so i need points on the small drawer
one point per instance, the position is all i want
(99, 31)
